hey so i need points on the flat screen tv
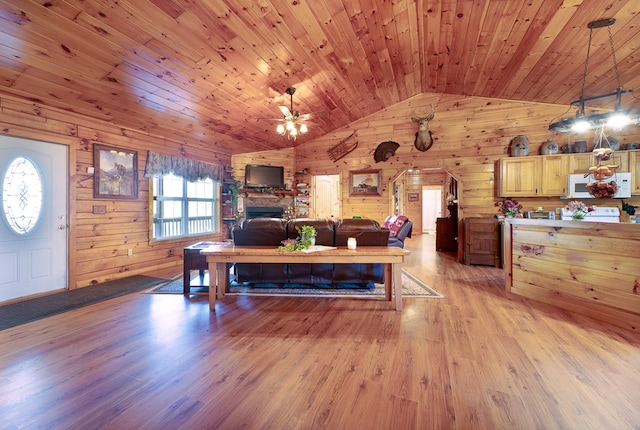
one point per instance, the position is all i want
(256, 176)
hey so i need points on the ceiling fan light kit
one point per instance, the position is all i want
(618, 118)
(293, 123)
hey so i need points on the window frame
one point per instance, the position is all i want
(156, 199)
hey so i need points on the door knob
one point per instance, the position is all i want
(61, 226)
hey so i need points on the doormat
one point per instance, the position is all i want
(18, 313)
(411, 287)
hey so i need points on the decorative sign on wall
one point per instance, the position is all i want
(116, 173)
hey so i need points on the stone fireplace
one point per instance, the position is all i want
(265, 206)
(264, 212)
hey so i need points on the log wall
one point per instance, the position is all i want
(98, 243)
(470, 135)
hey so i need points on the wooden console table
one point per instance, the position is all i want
(219, 257)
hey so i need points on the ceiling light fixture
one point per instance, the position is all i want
(292, 125)
(617, 119)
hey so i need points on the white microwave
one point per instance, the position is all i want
(577, 186)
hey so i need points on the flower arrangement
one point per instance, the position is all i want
(307, 237)
(579, 209)
(509, 207)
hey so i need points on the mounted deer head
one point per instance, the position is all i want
(424, 139)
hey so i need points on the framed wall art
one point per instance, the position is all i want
(413, 197)
(365, 183)
(115, 173)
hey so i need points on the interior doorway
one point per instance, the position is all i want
(431, 207)
(325, 192)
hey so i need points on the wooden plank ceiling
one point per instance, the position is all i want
(216, 71)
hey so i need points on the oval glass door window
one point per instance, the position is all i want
(22, 195)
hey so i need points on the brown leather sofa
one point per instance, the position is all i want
(272, 231)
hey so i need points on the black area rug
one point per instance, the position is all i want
(14, 314)
(411, 287)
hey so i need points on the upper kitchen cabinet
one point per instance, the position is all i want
(518, 176)
(533, 176)
(580, 163)
(546, 175)
(634, 168)
(553, 181)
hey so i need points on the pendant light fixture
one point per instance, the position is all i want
(616, 119)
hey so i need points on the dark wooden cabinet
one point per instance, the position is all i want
(447, 230)
(482, 241)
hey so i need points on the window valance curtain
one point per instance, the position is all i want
(191, 170)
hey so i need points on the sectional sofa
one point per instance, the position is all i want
(272, 231)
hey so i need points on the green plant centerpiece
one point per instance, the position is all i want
(306, 238)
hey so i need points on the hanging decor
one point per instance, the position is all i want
(342, 148)
(603, 185)
(385, 150)
(616, 119)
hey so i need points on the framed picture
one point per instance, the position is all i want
(365, 183)
(413, 197)
(115, 173)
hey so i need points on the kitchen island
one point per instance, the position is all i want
(590, 268)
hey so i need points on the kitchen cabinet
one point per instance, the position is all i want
(482, 241)
(553, 181)
(533, 176)
(580, 163)
(519, 176)
(634, 168)
(546, 175)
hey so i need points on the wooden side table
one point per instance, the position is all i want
(193, 260)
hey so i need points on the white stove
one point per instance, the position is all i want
(600, 214)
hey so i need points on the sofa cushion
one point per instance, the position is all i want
(367, 233)
(261, 232)
(314, 273)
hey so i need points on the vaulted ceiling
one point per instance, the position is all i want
(215, 71)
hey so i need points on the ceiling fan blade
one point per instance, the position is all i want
(304, 117)
(284, 110)
(272, 119)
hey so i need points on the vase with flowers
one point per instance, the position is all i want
(509, 207)
(306, 239)
(579, 209)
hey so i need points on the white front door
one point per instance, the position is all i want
(33, 213)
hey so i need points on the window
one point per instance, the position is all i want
(22, 196)
(183, 208)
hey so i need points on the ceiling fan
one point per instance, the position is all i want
(293, 123)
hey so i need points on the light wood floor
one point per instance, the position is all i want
(478, 359)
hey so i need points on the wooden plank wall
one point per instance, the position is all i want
(98, 244)
(280, 157)
(470, 135)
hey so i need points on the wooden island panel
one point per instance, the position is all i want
(585, 267)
